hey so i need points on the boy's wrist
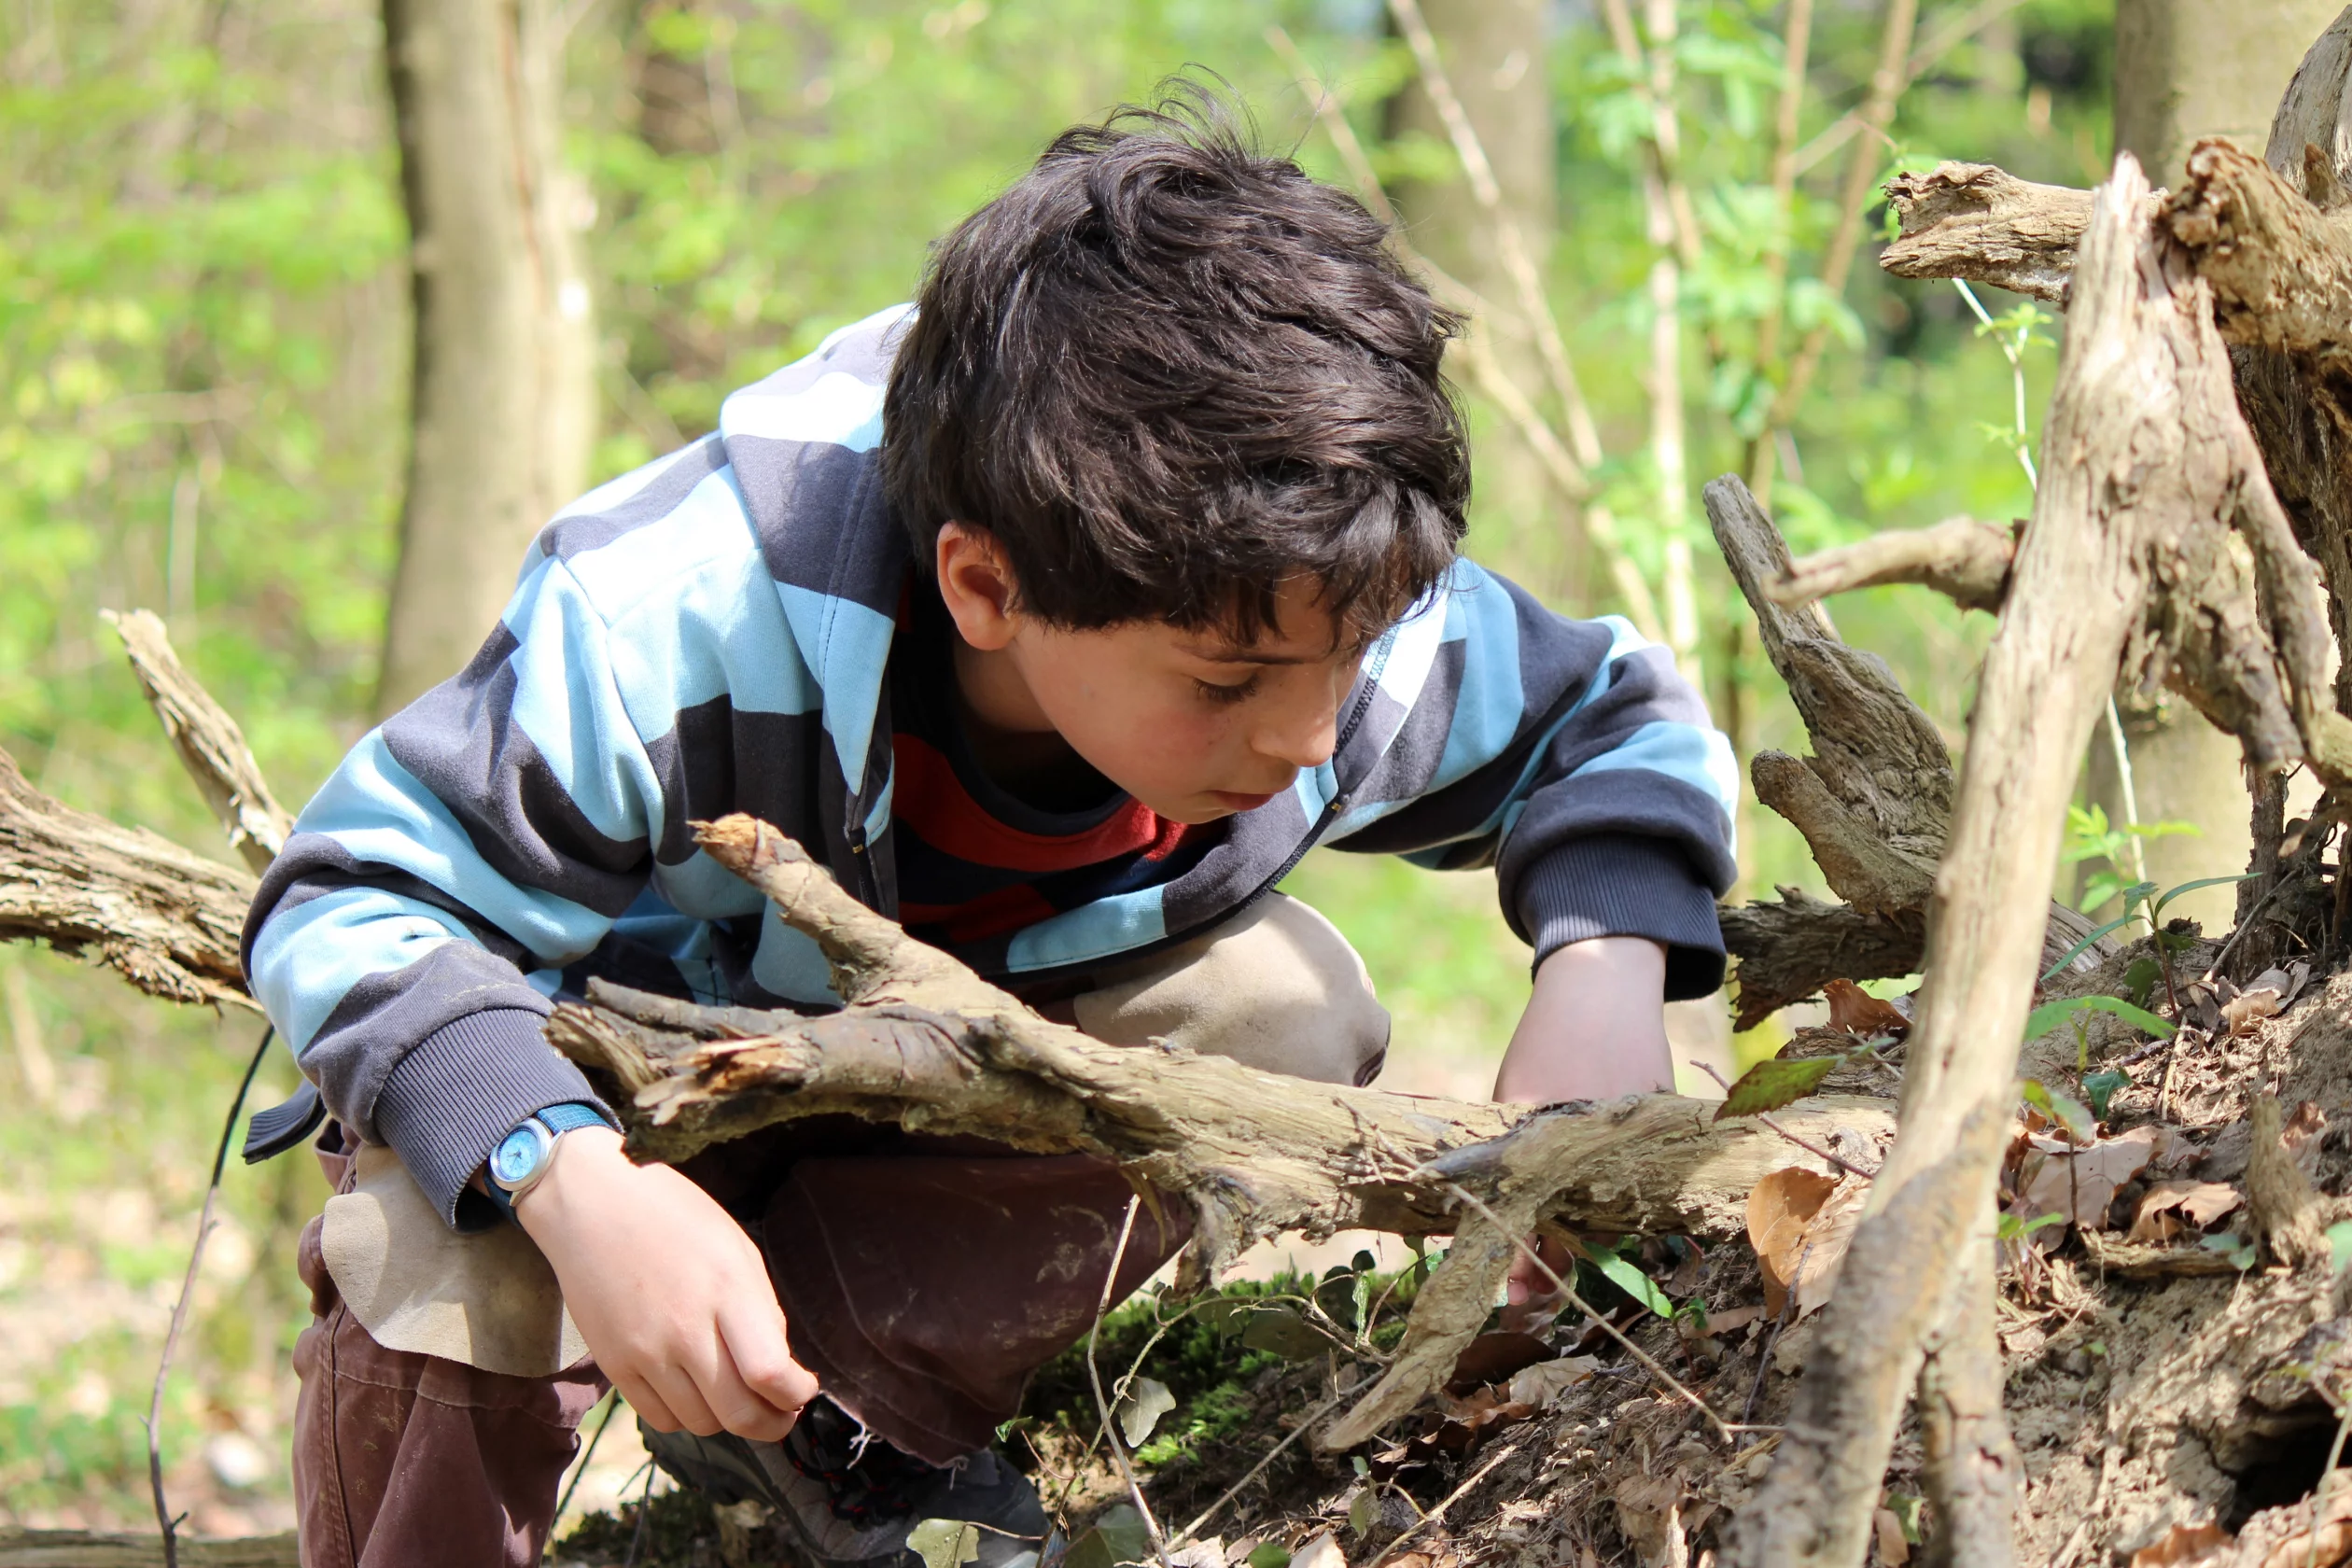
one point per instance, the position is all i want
(580, 1162)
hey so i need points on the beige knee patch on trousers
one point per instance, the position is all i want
(1275, 988)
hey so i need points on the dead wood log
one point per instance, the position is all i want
(2144, 447)
(1965, 560)
(165, 920)
(1788, 950)
(926, 1044)
(210, 746)
(1974, 221)
(1873, 802)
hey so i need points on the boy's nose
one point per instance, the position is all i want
(1303, 740)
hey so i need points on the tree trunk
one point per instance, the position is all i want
(2192, 68)
(1493, 52)
(2186, 69)
(503, 391)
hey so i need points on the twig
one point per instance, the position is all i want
(1191, 1531)
(1509, 242)
(612, 1407)
(644, 1512)
(1094, 1376)
(1771, 1340)
(1568, 1293)
(1765, 1117)
(1452, 1497)
(1795, 45)
(2248, 924)
(154, 1421)
(2319, 1493)
(1886, 86)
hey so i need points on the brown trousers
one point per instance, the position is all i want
(922, 1279)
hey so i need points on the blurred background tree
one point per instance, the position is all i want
(209, 323)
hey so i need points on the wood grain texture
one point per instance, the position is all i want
(210, 745)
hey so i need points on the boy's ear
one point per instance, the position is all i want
(976, 583)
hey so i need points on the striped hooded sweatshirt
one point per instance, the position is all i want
(713, 633)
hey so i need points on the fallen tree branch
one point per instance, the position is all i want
(925, 1044)
(1788, 950)
(1873, 802)
(165, 920)
(1974, 221)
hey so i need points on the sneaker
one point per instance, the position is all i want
(847, 1499)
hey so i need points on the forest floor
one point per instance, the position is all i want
(2178, 1358)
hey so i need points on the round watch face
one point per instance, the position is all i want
(517, 1157)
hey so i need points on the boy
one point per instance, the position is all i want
(1059, 616)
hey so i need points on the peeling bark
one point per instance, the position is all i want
(163, 919)
(210, 746)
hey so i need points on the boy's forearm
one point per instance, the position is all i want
(1595, 1027)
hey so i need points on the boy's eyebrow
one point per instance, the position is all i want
(1228, 654)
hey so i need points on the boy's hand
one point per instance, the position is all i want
(671, 1296)
(1595, 1028)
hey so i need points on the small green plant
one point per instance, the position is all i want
(2089, 836)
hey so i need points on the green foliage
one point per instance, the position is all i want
(1770, 1084)
(2048, 1016)
(2089, 836)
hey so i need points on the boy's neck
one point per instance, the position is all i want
(1014, 743)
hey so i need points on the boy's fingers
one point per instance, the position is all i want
(754, 1336)
(639, 1396)
(686, 1403)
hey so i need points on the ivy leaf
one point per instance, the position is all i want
(1621, 1273)
(1770, 1084)
(1141, 1411)
(2101, 1087)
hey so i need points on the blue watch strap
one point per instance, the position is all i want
(569, 1116)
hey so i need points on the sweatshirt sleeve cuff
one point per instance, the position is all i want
(1625, 884)
(464, 1087)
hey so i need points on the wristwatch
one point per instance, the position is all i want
(520, 1159)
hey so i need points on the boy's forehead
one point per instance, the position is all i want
(1304, 635)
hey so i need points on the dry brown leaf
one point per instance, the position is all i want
(2247, 1008)
(1322, 1550)
(1731, 1318)
(1893, 1550)
(1492, 1358)
(2080, 1183)
(1779, 1208)
(1800, 1224)
(1649, 1512)
(2183, 1543)
(2164, 1206)
(1543, 1384)
(1857, 1012)
(1827, 1241)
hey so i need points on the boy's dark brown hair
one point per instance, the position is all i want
(1169, 372)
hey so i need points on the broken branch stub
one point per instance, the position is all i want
(210, 746)
(166, 921)
(1974, 221)
(1873, 803)
(1965, 560)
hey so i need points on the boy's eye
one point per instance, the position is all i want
(1227, 695)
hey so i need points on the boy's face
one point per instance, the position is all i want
(1189, 723)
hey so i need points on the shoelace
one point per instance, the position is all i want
(869, 1482)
